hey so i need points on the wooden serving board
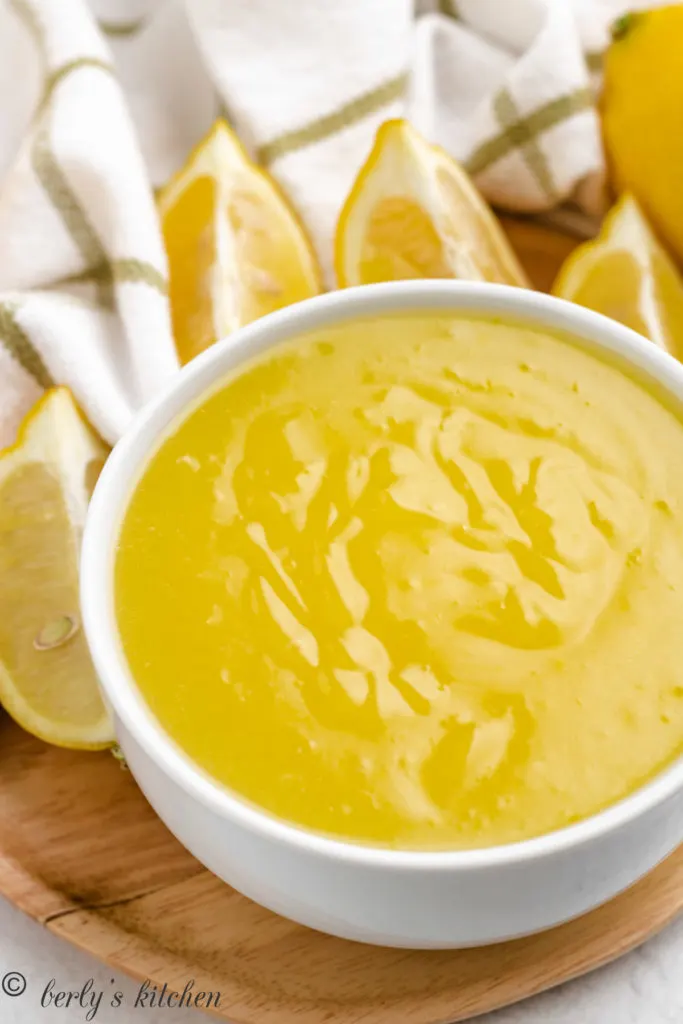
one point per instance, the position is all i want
(82, 852)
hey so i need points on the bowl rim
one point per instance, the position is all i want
(194, 382)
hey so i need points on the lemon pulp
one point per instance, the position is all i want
(413, 212)
(415, 581)
(236, 249)
(47, 680)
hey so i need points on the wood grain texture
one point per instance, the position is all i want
(541, 250)
(82, 852)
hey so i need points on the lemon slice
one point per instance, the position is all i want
(236, 250)
(47, 681)
(413, 213)
(626, 274)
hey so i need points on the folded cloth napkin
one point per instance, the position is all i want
(102, 101)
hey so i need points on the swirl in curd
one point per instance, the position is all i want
(415, 581)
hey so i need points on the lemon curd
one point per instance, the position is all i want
(415, 581)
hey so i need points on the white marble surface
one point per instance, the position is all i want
(645, 987)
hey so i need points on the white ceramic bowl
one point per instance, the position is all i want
(399, 898)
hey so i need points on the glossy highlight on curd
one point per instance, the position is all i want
(415, 581)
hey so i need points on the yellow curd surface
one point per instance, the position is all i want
(416, 581)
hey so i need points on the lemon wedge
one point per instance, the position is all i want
(414, 213)
(47, 680)
(235, 248)
(627, 275)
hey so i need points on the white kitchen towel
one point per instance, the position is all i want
(100, 102)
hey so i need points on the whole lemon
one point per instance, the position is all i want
(642, 116)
